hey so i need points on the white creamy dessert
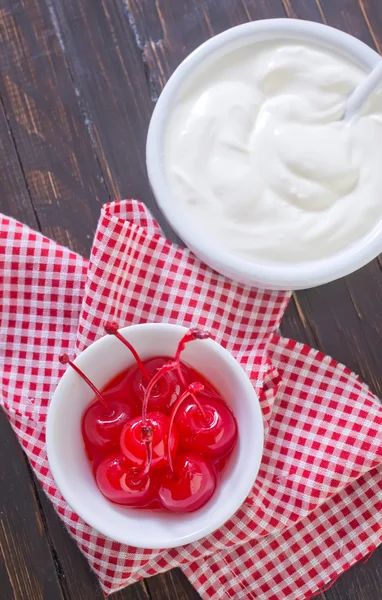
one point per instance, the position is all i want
(258, 158)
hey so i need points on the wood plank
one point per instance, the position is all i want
(76, 577)
(303, 9)
(15, 200)
(53, 143)
(172, 585)
(27, 570)
(168, 31)
(372, 13)
(138, 591)
(347, 16)
(346, 319)
(106, 64)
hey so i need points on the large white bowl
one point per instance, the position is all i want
(71, 470)
(275, 276)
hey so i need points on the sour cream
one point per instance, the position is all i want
(257, 155)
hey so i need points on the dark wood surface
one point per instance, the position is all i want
(79, 82)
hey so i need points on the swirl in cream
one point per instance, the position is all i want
(257, 155)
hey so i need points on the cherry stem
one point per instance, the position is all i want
(170, 366)
(149, 457)
(65, 360)
(111, 328)
(147, 438)
(192, 334)
(192, 389)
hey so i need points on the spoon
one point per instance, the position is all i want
(362, 92)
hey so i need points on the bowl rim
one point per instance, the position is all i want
(273, 275)
(226, 510)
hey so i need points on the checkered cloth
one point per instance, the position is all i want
(315, 507)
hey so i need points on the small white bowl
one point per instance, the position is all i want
(274, 276)
(70, 467)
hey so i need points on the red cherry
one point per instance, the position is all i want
(103, 420)
(102, 426)
(121, 483)
(165, 390)
(133, 443)
(189, 486)
(211, 435)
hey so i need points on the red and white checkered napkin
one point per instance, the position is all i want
(315, 506)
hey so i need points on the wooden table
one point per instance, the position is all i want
(80, 79)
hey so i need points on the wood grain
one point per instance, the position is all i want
(15, 198)
(53, 144)
(168, 31)
(303, 9)
(27, 570)
(372, 13)
(347, 16)
(75, 575)
(171, 585)
(107, 68)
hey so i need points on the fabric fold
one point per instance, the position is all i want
(311, 512)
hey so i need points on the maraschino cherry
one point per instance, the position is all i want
(212, 434)
(166, 389)
(103, 420)
(189, 485)
(205, 424)
(134, 434)
(133, 445)
(190, 480)
(102, 425)
(123, 484)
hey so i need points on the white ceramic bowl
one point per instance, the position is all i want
(275, 276)
(71, 470)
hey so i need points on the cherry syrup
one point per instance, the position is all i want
(159, 434)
